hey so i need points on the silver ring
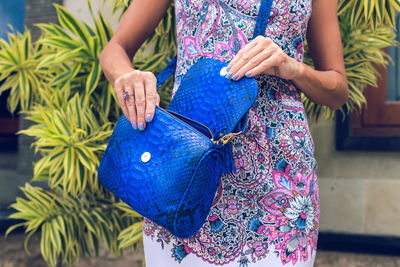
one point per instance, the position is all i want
(126, 95)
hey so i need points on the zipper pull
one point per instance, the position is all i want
(226, 138)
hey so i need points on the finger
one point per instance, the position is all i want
(259, 43)
(246, 69)
(272, 71)
(268, 66)
(242, 51)
(244, 59)
(152, 97)
(140, 102)
(130, 103)
(119, 92)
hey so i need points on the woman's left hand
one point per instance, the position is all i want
(262, 55)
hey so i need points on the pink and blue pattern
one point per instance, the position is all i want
(270, 204)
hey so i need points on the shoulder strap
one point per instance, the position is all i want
(262, 18)
(166, 72)
(261, 26)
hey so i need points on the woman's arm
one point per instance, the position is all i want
(327, 83)
(137, 24)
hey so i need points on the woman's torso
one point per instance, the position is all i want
(267, 212)
(219, 28)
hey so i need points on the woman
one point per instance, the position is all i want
(267, 212)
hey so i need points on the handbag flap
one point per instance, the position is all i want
(204, 95)
(156, 164)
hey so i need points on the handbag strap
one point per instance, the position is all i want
(261, 26)
(262, 18)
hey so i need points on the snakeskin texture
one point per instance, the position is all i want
(220, 104)
(176, 186)
(262, 18)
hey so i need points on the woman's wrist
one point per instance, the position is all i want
(299, 69)
(114, 64)
(117, 73)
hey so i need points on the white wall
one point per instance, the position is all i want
(80, 9)
(359, 191)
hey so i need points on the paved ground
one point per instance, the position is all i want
(339, 259)
(12, 254)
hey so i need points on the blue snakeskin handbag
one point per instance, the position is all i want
(170, 172)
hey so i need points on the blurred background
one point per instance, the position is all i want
(50, 68)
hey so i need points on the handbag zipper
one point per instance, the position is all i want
(224, 139)
(169, 111)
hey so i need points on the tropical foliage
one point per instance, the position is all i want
(57, 83)
(374, 12)
(366, 26)
(18, 61)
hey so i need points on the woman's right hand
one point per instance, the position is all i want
(139, 106)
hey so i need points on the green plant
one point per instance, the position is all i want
(58, 84)
(72, 107)
(374, 12)
(362, 48)
(18, 61)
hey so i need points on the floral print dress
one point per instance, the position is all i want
(267, 212)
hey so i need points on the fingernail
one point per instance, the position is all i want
(247, 74)
(228, 68)
(229, 75)
(234, 77)
(148, 117)
(134, 125)
(141, 126)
